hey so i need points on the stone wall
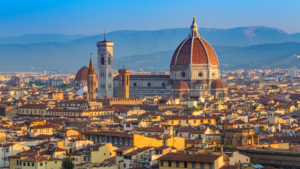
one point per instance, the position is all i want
(120, 101)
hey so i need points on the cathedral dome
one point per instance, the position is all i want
(218, 84)
(182, 85)
(194, 50)
(82, 74)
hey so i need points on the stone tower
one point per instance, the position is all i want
(92, 85)
(124, 83)
(105, 68)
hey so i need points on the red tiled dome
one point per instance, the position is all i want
(181, 85)
(194, 50)
(82, 74)
(218, 84)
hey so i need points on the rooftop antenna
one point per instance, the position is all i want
(119, 63)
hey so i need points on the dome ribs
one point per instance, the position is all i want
(184, 54)
(211, 53)
(199, 55)
(175, 54)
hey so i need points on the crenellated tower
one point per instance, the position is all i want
(105, 68)
(124, 83)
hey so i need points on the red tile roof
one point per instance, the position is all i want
(82, 74)
(181, 85)
(218, 84)
(194, 50)
(202, 158)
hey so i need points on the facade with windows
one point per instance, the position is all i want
(10, 149)
(190, 161)
(40, 162)
(117, 139)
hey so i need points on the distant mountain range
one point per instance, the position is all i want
(40, 38)
(282, 55)
(150, 50)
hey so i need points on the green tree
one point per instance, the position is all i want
(67, 163)
(198, 108)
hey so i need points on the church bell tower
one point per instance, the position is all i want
(92, 85)
(124, 83)
(105, 68)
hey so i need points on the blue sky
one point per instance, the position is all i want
(18, 17)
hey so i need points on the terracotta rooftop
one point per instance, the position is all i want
(34, 106)
(218, 84)
(123, 149)
(202, 158)
(182, 85)
(82, 74)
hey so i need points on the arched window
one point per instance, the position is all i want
(127, 79)
(149, 84)
(102, 61)
(109, 60)
(122, 79)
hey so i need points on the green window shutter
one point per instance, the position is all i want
(24, 164)
(32, 164)
(41, 164)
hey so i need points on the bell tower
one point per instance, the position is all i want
(105, 68)
(92, 85)
(124, 83)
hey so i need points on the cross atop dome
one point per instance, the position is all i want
(194, 29)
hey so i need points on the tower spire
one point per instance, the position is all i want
(194, 29)
(91, 67)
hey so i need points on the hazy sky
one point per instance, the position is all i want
(92, 16)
